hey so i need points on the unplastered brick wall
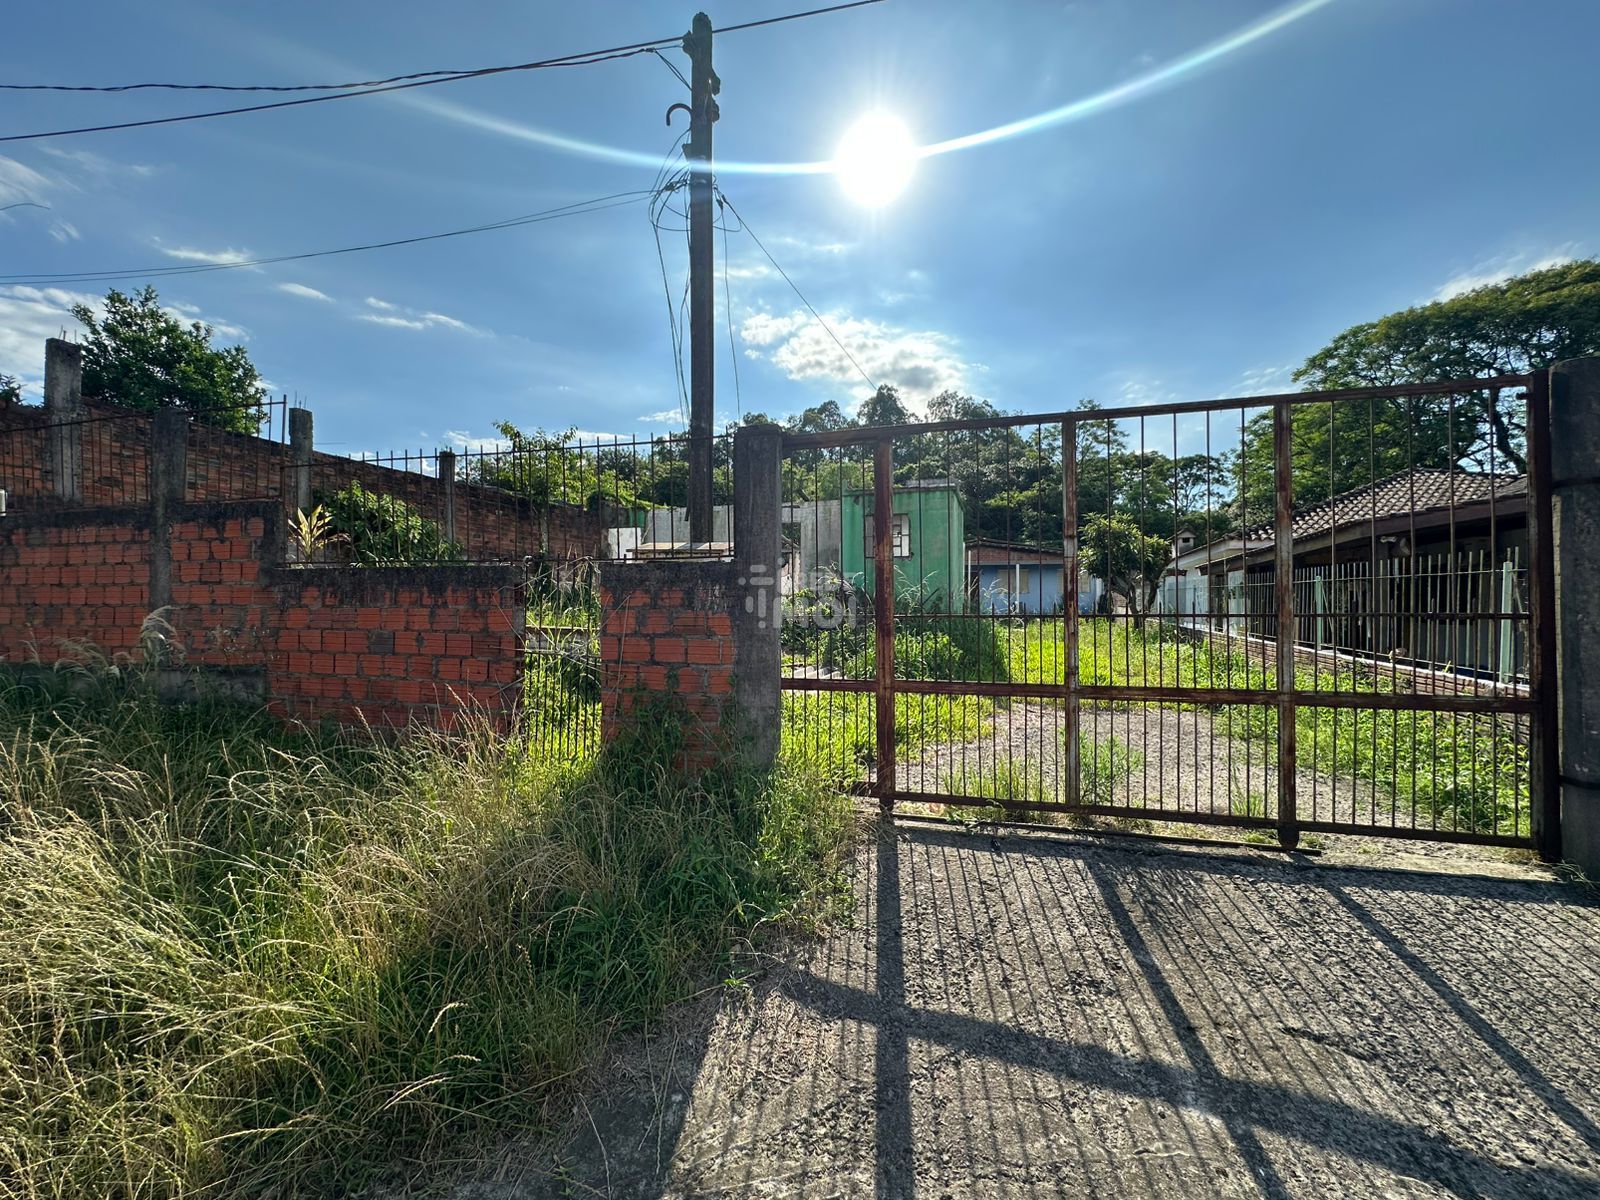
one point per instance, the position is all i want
(389, 645)
(490, 524)
(72, 579)
(112, 445)
(667, 645)
(358, 645)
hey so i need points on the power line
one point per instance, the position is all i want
(745, 225)
(567, 61)
(598, 204)
(394, 83)
(727, 305)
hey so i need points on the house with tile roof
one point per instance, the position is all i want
(1427, 566)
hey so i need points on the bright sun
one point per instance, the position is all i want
(875, 159)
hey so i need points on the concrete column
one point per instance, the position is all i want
(63, 403)
(169, 461)
(447, 482)
(298, 491)
(1575, 491)
(757, 553)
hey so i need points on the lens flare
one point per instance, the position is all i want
(1166, 75)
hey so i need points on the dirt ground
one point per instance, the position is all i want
(1031, 1014)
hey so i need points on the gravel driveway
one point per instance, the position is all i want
(1063, 1015)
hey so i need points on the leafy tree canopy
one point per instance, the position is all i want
(1126, 557)
(1523, 324)
(10, 390)
(140, 356)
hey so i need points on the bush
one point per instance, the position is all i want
(384, 530)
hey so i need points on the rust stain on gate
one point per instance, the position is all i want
(1329, 612)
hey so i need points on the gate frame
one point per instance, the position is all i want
(1539, 706)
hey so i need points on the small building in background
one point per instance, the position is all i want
(1016, 579)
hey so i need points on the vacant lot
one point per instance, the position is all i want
(1062, 1016)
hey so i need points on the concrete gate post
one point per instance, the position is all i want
(1575, 491)
(63, 404)
(758, 560)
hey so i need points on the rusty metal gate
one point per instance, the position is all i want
(1316, 612)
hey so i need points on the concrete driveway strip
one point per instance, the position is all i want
(1063, 1016)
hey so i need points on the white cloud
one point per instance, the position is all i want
(27, 317)
(228, 257)
(192, 312)
(396, 316)
(1265, 381)
(96, 164)
(920, 363)
(20, 182)
(64, 231)
(1503, 267)
(667, 416)
(467, 443)
(304, 292)
(1138, 389)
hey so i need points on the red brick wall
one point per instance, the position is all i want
(221, 466)
(666, 640)
(397, 650)
(72, 581)
(379, 646)
(24, 462)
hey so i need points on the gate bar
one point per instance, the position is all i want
(883, 613)
(1283, 587)
(1069, 595)
(830, 439)
(1544, 767)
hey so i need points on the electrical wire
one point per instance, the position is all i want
(658, 201)
(394, 83)
(567, 61)
(598, 204)
(673, 67)
(727, 304)
(745, 225)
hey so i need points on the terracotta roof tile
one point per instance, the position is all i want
(1423, 490)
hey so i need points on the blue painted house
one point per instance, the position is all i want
(1012, 579)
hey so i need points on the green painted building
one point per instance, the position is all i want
(930, 534)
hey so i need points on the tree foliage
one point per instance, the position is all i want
(140, 356)
(384, 530)
(1125, 556)
(10, 390)
(1521, 325)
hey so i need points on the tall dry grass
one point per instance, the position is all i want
(237, 959)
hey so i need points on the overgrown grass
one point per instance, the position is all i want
(240, 960)
(1461, 771)
(833, 735)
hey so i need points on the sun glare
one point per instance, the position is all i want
(875, 159)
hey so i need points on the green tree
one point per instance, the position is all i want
(10, 390)
(1130, 560)
(138, 355)
(1521, 325)
(883, 407)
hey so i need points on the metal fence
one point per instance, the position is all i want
(100, 457)
(1317, 612)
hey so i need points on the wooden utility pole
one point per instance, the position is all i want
(704, 86)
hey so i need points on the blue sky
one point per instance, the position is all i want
(1198, 238)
